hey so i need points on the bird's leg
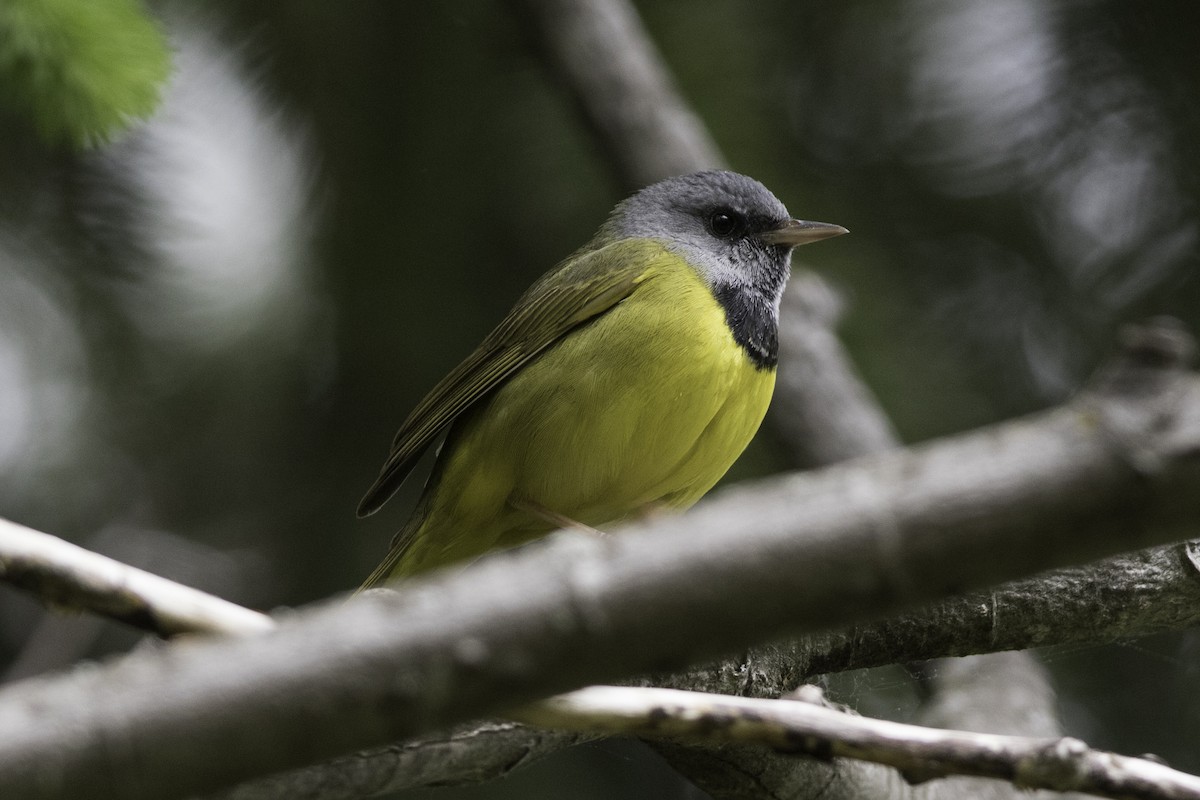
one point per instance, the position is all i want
(655, 509)
(553, 517)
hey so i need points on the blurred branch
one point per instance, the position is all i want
(618, 79)
(809, 728)
(822, 410)
(468, 754)
(1115, 468)
(1147, 592)
(64, 575)
(1008, 693)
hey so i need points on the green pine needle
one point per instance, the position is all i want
(80, 70)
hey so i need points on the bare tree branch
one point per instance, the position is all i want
(998, 693)
(1007, 693)
(616, 37)
(68, 576)
(822, 408)
(1150, 591)
(468, 754)
(480, 752)
(615, 74)
(921, 754)
(708, 160)
(1146, 592)
(1115, 469)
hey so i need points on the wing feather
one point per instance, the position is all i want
(585, 287)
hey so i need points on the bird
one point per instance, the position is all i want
(624, 382)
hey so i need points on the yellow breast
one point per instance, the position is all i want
(647, 406)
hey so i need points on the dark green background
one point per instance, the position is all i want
(1019, 177)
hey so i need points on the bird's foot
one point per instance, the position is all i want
(553, 517)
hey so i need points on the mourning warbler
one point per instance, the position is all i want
(628, 378)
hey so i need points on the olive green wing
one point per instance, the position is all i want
(583, 288)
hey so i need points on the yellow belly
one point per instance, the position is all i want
(647, 406)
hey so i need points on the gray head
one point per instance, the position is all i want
(728, 226)
(737, 236)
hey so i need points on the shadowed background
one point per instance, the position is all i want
(210, 329)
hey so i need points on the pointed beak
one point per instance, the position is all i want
(798, 231)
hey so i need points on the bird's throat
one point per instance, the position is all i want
(754, 322)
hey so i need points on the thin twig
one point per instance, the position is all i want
(1061, 764)
(65, 575)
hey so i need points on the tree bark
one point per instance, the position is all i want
(1115, 469)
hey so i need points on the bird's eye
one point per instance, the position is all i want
(725, 223)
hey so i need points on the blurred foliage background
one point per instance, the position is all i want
(211, 325)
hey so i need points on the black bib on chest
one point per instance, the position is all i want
(754, 323)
